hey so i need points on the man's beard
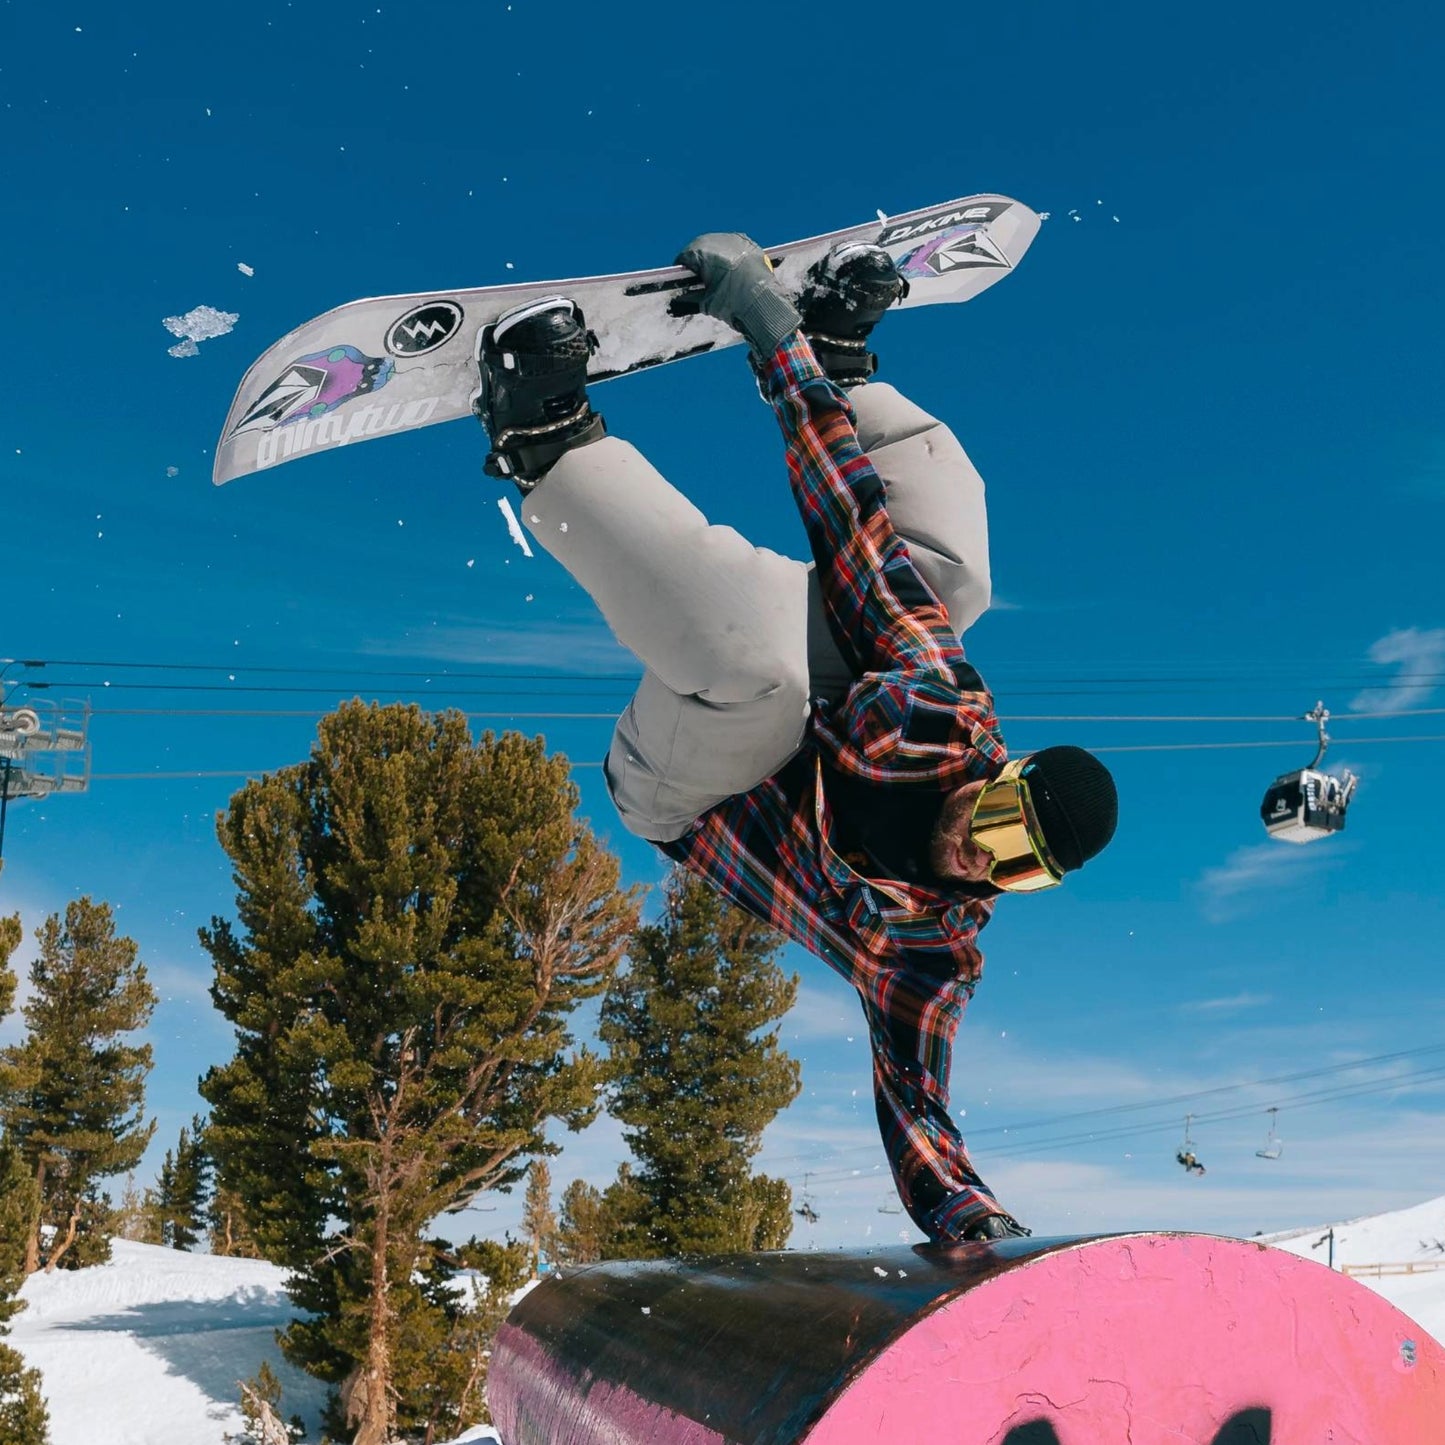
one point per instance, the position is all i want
(949, 833)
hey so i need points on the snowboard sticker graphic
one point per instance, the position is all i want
(391, 363)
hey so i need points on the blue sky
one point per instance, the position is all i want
(1211, 431)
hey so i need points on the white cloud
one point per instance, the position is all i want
(827, 1009)
(1418, 655)
(1251, 875)
(1235, 1003)
(1350, 1158)
(560, 646)
(179, 983)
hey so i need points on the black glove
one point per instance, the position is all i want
(738, 287)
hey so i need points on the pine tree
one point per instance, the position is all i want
(228, 1230)
(539, 1223)
(136, 1214)
(582, 1229)
(95, 1225)
(23, 1417)
(261, 1411)
(445, 1350)
(599, 1224)
(697, 1074)
(183, 1188)
(418, 916)
(76, 1113)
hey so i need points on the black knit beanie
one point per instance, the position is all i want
(1076, 802)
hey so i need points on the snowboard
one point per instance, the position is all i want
(390, 364)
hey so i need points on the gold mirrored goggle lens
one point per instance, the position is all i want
(1004, 826)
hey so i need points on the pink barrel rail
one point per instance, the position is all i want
(1136, 1339)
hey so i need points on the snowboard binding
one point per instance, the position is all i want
(532, 397)
(845, 297)
(996, 1226)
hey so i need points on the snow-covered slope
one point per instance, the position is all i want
(1414, 1236)
(147, 1350)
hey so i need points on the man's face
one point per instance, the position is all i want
(954, 854)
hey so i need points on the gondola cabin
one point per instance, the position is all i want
(1306, 804)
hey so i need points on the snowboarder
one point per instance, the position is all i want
(811, 741)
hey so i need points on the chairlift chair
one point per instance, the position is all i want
(805, 1210)
(1308, 804)
(1185, 1154)
(1274, 1145)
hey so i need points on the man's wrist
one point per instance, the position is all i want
(790, 365)
(768, 320)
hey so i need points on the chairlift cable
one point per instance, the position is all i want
(1335, 1094)
(1167, 1126)
(584, 763)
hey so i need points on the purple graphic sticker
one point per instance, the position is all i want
(955, 249)
(314, 385)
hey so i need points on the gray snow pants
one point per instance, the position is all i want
(733, 637)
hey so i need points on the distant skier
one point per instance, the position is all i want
(811, 741)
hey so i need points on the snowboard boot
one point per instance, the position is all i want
(847, 293)
(996, 1226)
(533, 395)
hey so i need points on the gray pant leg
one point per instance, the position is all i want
(936, 502)
(718, 623)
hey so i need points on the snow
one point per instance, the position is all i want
(199, 324)
(513, 526)
(148, 1349)
(1414, 1236)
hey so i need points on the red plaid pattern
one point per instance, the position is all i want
(918, 716)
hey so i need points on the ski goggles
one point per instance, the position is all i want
(1006, 827)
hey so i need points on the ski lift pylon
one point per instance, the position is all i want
(1308, 804)
(1273, 1145)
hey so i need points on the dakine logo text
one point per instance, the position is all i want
(978, 215)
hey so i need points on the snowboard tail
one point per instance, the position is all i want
(391, 364)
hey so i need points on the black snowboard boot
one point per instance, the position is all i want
(996, 1226)
(533, 394)
(847, 293)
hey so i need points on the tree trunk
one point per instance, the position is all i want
(270, 1428)
(70, 1233)
(373, 1398)
(479, 1361)
(32, 1243)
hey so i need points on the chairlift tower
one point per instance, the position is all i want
(44, 750)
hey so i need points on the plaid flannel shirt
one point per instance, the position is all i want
(918, 716)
